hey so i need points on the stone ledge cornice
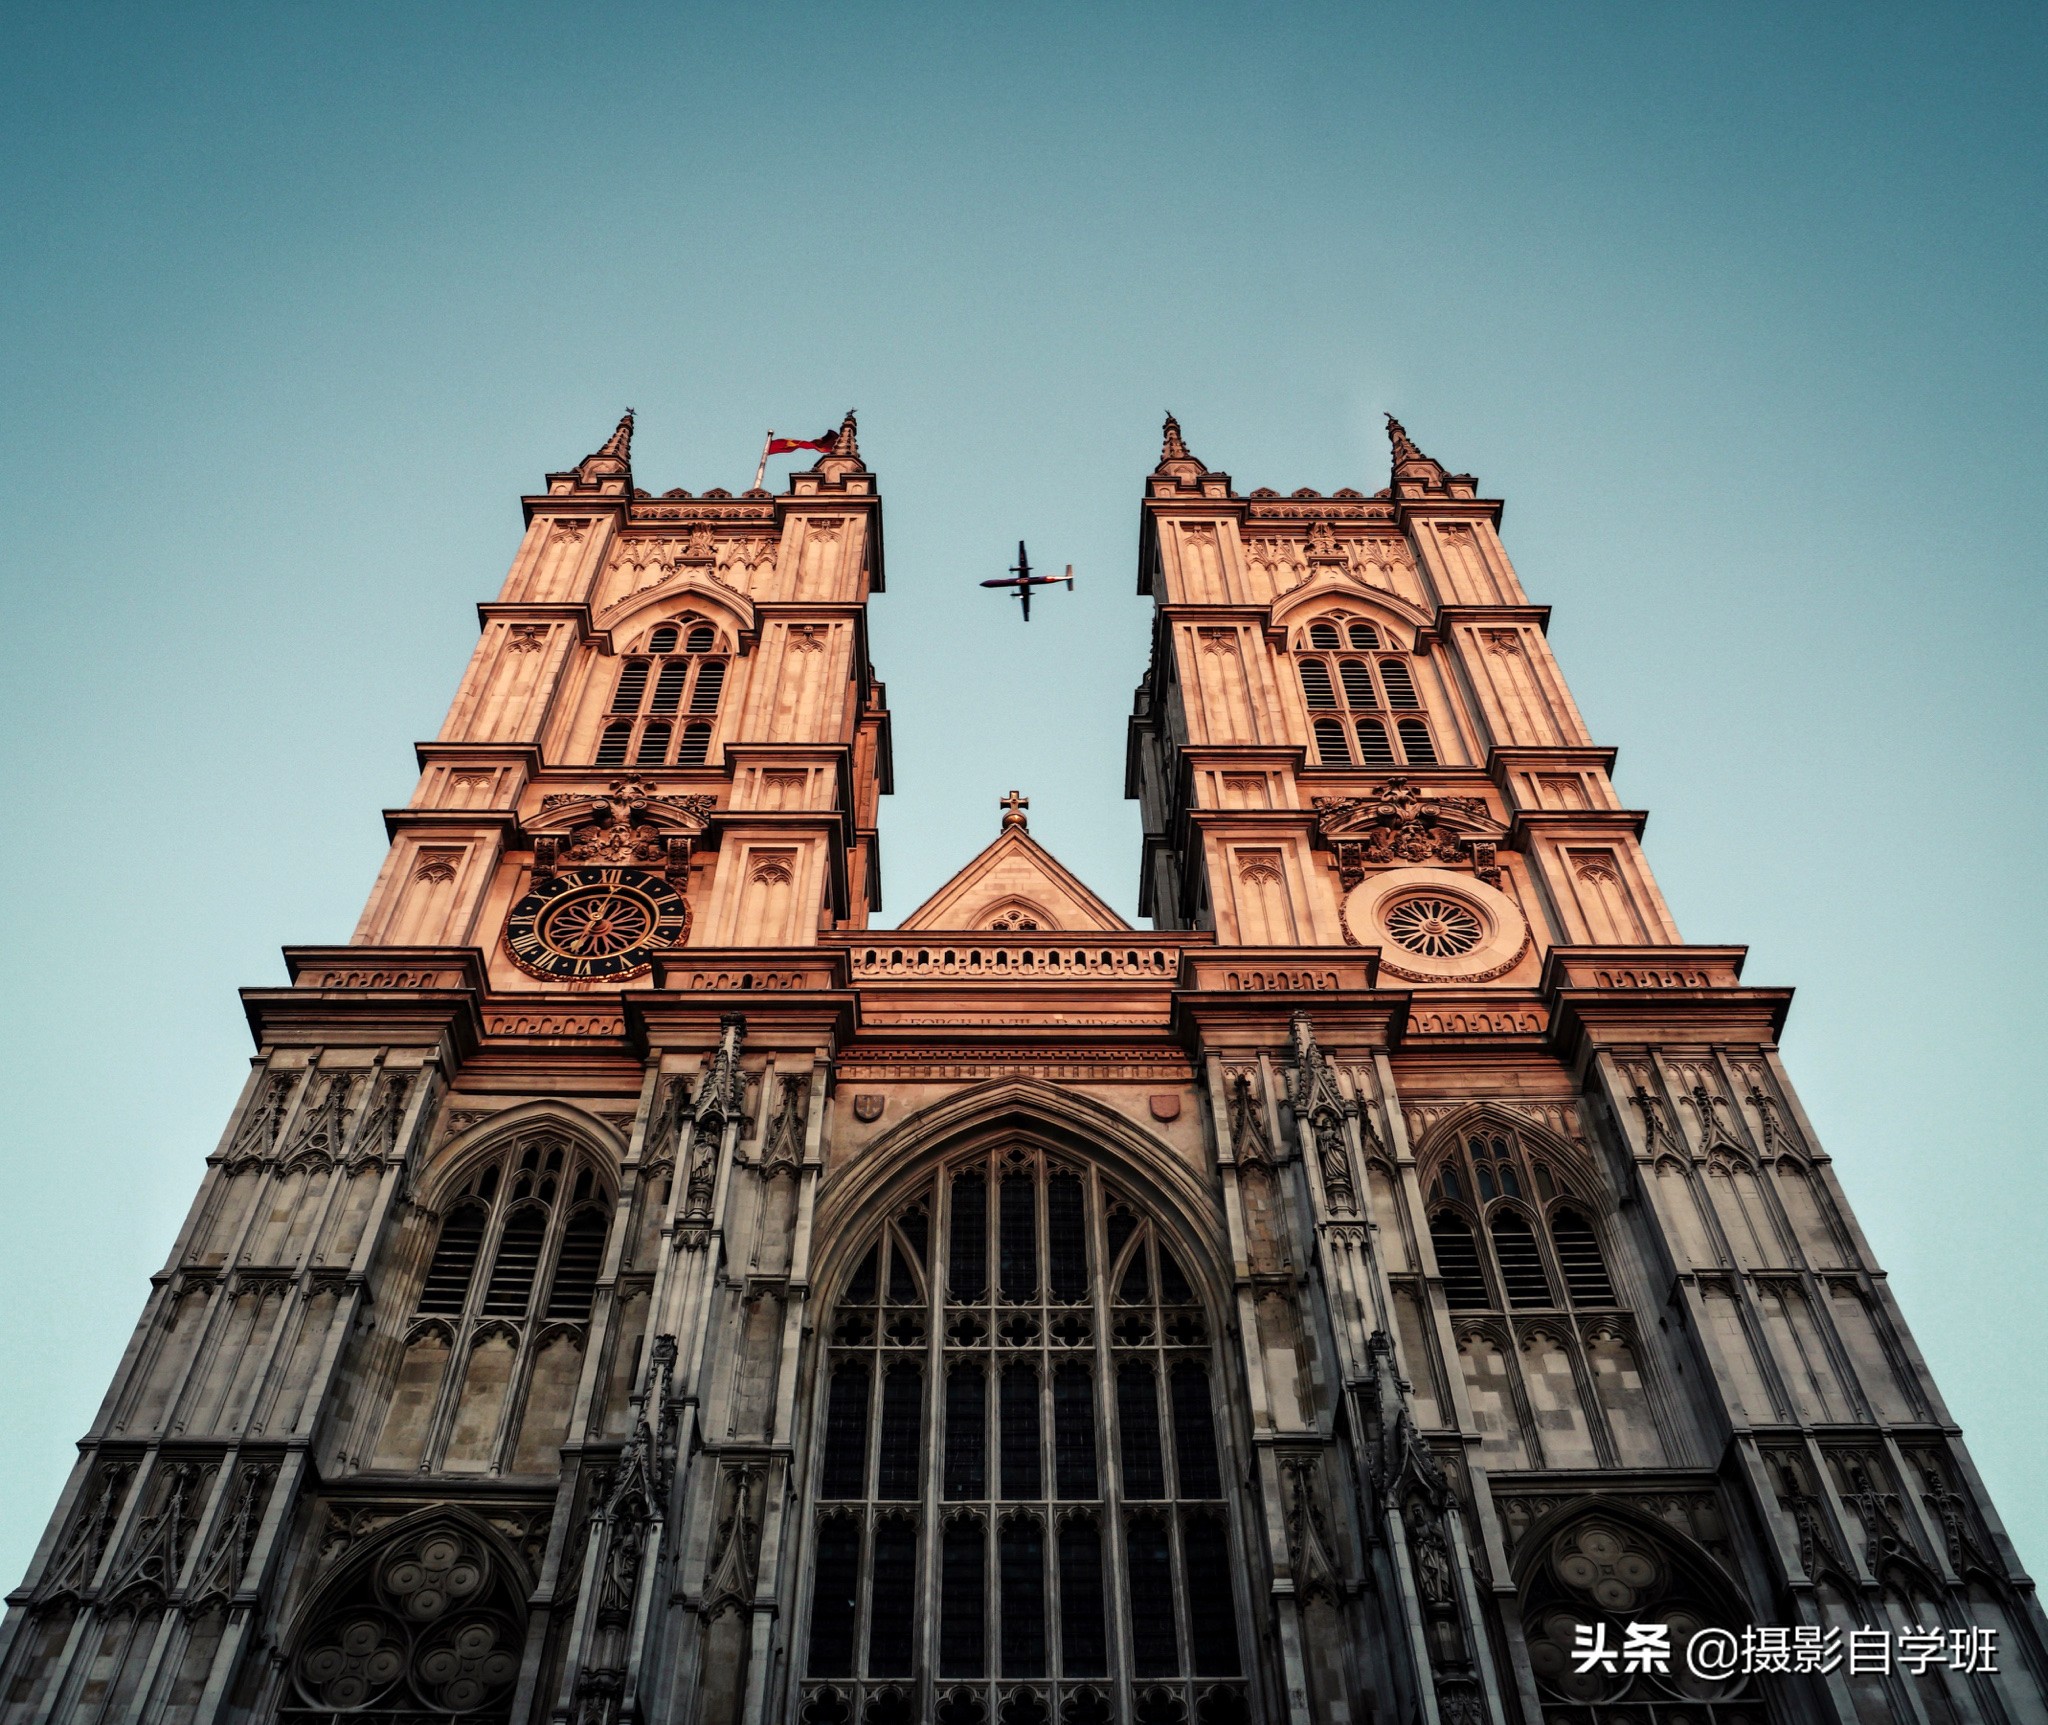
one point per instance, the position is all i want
(474, 820)
(1568, 823)
(590, 505)
(1453, 502)
(1504, 758)
(447, 1019)
(1449, 617)
(432, 749)
(1585, 1022)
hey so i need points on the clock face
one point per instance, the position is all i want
(595, 924)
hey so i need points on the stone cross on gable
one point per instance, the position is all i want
(1013, 807)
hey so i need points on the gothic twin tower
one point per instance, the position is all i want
(633, 1289)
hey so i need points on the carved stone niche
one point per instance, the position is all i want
(1401, 825)
(629, 824)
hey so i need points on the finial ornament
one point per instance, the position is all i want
(1013, 807)
(614, 460)
(848, 442)
(1176, 459)
(1409, 461)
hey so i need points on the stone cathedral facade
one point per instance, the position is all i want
(632, 1290)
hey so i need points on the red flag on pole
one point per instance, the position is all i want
(783, 445)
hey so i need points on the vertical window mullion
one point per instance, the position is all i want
(1108, 1474)
(930, 1529)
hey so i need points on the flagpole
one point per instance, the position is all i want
(761, 472)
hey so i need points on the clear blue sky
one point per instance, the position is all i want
(1738, 307)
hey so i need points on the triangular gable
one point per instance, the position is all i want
(1014, 882)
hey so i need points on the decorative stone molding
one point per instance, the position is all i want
(1402, 824)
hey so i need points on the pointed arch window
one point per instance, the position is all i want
(1064, 1370)
(506, 1292)
(1363, 683)
(1543, 1251)
(680, 672)
(1510, 1225)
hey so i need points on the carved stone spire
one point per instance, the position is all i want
(1409, 461)
(1175, 458)
(720, 1090)
(615, 459)
(620, 444)
(843, 457)
(1404, 445)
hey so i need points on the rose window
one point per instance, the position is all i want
(1434, 927)
(1601, 1584)
(428, 1630)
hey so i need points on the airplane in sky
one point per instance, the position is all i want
(1022, 580)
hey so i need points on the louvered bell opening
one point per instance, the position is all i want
(611, 750)
(668, 687)
(1356, 677)
(577, 1267)
(518, 1262)
(696, 746)
(1323, 635)
(653, 748)
(1415, 743)
(632, 685)
(710, 684)
(1365, 637)
(1331, 749)
(663, 640)
(1316, 686)
(1521, 1262)
(1400, 686)
(702, 639)
(454, 1265)
(1578, 1255)
(1457, 1261)
(1374, 748)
